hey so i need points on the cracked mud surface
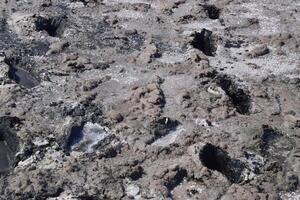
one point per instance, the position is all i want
(149, 99)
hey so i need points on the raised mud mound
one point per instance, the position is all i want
(149, 99)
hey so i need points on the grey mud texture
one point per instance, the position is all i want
(149, 99)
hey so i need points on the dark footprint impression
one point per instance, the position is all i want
(215, 158)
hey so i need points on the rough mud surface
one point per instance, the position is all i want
(149, 99)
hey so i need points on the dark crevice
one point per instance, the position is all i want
(240, 98)
(215, 158)
(233, 44)
(3, 25)
(176, 180)
(75, 136)
(204, 42)
(53, 26)
(212, 11)
(136, 174)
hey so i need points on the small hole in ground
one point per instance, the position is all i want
(137, 173)
(53, 26)
(215, 158)
(204, 42)
(176, 180)
(212, 158)
(75, 137)
(212, 11)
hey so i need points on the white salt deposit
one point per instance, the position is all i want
(169, 138)
(92, 135)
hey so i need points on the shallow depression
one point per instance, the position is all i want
(8, 144)
(86, 138)
(6, 155)
(170, 137)
(22, 77)
(19, 75)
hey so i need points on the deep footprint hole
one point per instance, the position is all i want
(212, 11)
(240, 98)
(176, 180)
(205, 42)
(137, 174)
(53, 26)
(75, 136)
(214, 158)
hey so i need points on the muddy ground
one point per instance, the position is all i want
(149, 99)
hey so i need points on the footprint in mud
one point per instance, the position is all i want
(53, 26)
(217, 159)
(205, 42)
(275, 144)
(165, 131)
(213, 12)
(8, 144)
(22, 77)
(240, 97)
(88, 137)
(19, 75)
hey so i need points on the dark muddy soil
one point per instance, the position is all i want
(149, 99)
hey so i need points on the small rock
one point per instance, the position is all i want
(292, 121)
(253, 66)
(151, 87)
(149, 53)
(259, 50)
(45, 3)
(40, 142)
(259, 92)
(132, 190)
(57, 47)
(68, 57)
(114, 116)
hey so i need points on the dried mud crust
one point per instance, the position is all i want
(149, 99)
